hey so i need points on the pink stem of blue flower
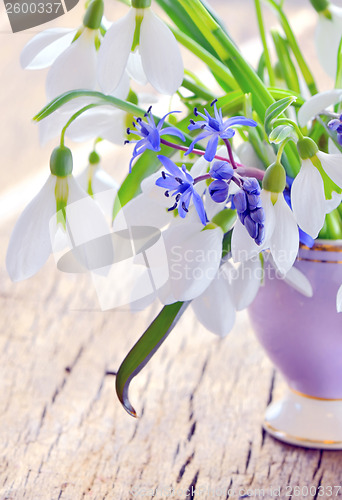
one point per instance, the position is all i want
(230, 153)
(195, 151)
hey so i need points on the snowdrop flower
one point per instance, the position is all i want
(281, 234)
(215, 128)
(54, 213)
(318, 103)
(144, 45)
(150, 134)
(328, 34)
(308, 192)
(232, 289)
(71, 54)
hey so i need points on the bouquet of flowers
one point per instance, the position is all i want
(214, 188)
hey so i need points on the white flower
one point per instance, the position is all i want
(156, 59)
(318, 103)
(328, 37)
(33, 236)
(308, 196)
(281, 234)
(73, 64)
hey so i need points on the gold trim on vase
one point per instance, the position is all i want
(323, 247)
(289, 437)
(321, 261)
(302, 394)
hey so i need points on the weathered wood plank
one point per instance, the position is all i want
(201, 400)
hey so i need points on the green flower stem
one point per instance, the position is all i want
(281, 149)
(268, 62)
(287, 121)
(73, 118)
(198, 90)
(213, 63)
(308, 77)
(338, 81)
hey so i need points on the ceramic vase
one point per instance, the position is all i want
(303, 338)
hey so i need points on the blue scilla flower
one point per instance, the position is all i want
(215, 127)
(250, 212)
(179, 183)
(150, 134)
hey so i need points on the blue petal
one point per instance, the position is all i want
(198, 138)
(161, 122)
(170, 166)
(211, 148)
(218, 191)
(198, 202)
(240, 201)
(172, 131)
(168, 183)
(221, 170)
(184, 199)
(154, 140)
(239, 120)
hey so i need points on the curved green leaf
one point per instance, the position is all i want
(145, 348)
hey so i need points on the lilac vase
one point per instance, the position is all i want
(303, 338)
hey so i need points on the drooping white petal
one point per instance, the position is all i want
(135, 68)
(243, 246)
(156, 193)
(318, 103)
(75, 68)
(333, 203)
(30, 245)
(339, 300)
(88, 229)
(328, 37)
(332, 165)
(194, 257)
(142, 211)
(100, 180)
(103, 121)
(246, 282)
(285, 237)
(308, 199)
(299, 282)
(160, 54)
(114, 52)
(332, 148)
(43, 49)
(211, 207)
(214, 308)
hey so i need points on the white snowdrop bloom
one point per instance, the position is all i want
(60, 210)
(318, 103)
(154, 57)
(281, 234)
(308, 197)
(71, 54)
(328, 37)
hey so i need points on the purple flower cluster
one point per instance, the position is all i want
(250, 212)
(336, 125)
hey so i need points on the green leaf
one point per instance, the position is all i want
(280, 133)
(275, 110)
(145, 348)
(288, 69)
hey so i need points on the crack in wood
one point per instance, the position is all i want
(318, 488)
(229, 488)
(318, 464)
(192, 431)
(184, 466)
(248, 455)
(192, 487)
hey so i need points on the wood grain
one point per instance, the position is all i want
(201, 400)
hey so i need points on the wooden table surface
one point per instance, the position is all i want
(201, 400)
